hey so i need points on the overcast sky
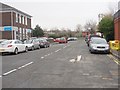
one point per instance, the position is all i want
(62, 13)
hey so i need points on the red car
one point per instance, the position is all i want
(61, 40)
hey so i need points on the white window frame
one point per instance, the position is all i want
(19, 18)
(25, 20)
(22, 19)
(16, 17)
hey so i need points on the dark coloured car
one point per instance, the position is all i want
(89, 38)
(44, 43)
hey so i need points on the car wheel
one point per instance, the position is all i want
(26, 49)
(32, 48)
(45, 46)
(39, 47)
(16, 51)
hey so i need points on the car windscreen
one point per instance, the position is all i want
(28, 41)
(99, 41)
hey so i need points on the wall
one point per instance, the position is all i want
(117, 28)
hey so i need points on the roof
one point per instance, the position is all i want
(117, 14)
(4, 7)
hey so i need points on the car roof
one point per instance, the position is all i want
(98, 38)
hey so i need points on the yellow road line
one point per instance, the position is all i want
(114, 59)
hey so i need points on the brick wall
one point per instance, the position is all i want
(117, 28)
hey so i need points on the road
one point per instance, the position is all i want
(55, 67)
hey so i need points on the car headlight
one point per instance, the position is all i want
(93, 47)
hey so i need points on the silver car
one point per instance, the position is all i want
(98, 44)
(32, 44)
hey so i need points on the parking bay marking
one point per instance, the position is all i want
(25, 65)
(42, 57)
(57, 50)
(11, 71)
(114, 59)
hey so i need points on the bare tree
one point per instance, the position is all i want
(78, 28)
(90, 26)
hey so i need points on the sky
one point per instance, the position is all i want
(60, 14)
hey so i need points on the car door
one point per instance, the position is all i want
(21, 46)
(17, 45)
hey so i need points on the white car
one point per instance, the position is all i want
(13, 46)
(1, 40)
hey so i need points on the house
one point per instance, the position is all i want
(117, 25)
(84, 33)
(14, 24)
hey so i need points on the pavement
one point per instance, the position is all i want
(69, 65)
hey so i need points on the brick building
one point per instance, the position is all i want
(117, 25)
(14, 24)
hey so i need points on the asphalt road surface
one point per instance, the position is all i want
(60, 66)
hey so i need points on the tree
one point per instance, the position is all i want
(37, 32)
(78, 28)
(90, 26)
(106, 25)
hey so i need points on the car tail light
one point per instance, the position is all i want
(9, 45)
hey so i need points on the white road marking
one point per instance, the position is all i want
(86, 74)
(25, 65)
(57, 50)
(42, 57)
(0, 76)
(114, 59)
(46, 55)
(72, 60)
(10, 72)
(64, 47)
(79, 58)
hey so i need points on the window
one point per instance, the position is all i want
(16, 17)
(19, 18)
(25, 20)
(22, 19)
(20, 30)
(23, 31)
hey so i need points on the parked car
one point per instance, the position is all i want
(57, 40)
(44, 43)
(89, 38)
(12, 46)
(32, 44)
(97, 44)
(1, 40)
(61, 40)
(72, 39)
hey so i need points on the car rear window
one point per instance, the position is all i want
(6, 42)
(99, 41)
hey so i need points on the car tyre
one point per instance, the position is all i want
(16, 51)
(26, 49)
(32, 48)
(45, 46)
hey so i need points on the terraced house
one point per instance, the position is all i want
(14, 24)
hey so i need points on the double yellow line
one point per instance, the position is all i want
(114, 59)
